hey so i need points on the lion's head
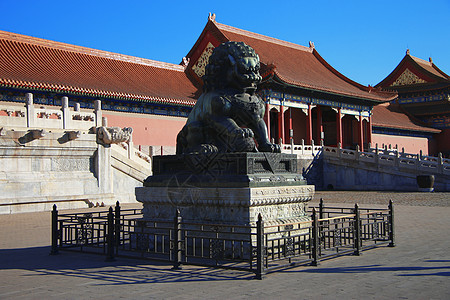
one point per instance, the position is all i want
(232, 65)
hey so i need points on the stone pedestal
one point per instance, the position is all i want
(226, 189)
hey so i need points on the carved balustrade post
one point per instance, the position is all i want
(357, 153)
(339, 150)
(98, 113)
(31, 116)
(303, 146)
(65, 112)
(440, 163)
(396, 159)
(292, 145)
(131, 147)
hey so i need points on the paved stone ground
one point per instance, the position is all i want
(417, 268)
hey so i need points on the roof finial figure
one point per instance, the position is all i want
(212, 17)
(185, 62)
(311, 45)
(430, 59)
(407, 52)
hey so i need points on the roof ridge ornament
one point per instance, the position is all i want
(430, 60)
(212, 17)
(311, 45)
(407, 52)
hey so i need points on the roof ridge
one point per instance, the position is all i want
(421, 60)
(263, 37)
(89, 51)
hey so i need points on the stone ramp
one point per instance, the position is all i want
(376, 169)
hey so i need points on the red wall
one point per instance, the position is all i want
(412, 145)
(148, 130)
(298, 124)
(443, 142)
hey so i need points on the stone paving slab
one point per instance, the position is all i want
(373, 197)
(417, 268)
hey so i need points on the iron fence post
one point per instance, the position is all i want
(315, 239)
(177, 241)
(117, 224)
(321, 208)
(357, 231)
(260, 271)
(54, 250)
(110, 236)
(391, 224)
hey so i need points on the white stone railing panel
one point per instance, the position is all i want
(367, 157)
(82, 120)
(301, 149)
(13, 116)
(47, 118)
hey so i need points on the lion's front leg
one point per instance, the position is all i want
(262, 137)
(230, 137)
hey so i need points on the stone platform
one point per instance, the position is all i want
(226, 188)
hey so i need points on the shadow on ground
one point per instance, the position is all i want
(94, 267)
(405, 271)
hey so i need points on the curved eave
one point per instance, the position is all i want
(427, 130)
(370, 101)
(94, 93)
(423, 87)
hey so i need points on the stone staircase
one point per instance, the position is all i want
(50, 156)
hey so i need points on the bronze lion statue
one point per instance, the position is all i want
(228, 116)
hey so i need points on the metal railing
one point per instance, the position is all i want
(259, 249)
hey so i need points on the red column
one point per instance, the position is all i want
(361, 136)
(267, 119)
(339, 126)
(281, 124)
(369, 131)
(319, 122)
(290, 123)
(309, 126)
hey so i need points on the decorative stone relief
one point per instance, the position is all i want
(70, 164)
(407, 78)
(199, 67)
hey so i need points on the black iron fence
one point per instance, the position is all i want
(259, 249)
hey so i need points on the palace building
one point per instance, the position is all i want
(423, 93)
(306, 98)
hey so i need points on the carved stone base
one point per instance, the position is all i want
(237, 206)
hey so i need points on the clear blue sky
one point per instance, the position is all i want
(364, 40)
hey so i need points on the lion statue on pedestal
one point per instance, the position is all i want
(228, 116)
